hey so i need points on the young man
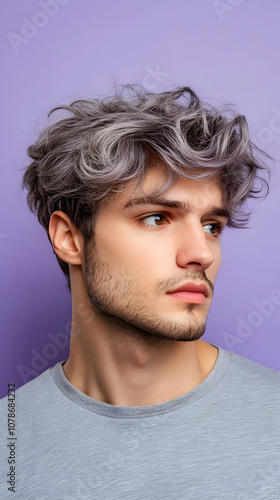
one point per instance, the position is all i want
(134, 192)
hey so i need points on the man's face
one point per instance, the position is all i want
(142, 252)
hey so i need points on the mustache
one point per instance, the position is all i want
(195, 276)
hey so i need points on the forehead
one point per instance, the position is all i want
(195, 192)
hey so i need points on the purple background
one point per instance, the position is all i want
(228, 52)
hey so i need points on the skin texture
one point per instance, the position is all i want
(132, 344)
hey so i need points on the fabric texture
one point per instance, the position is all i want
(220, 441)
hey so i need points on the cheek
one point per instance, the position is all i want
(214, 268)
(135, 252)
(123, 242)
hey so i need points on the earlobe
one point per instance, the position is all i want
(66, 239)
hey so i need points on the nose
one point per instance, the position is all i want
(194, 250)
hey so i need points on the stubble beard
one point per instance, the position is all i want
(123, 308)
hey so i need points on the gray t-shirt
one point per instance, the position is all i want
(220, 441)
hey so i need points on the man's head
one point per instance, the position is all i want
(146, 248)
(95, 165)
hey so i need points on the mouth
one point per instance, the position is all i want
(191, 293)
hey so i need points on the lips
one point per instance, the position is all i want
(192, 288)
(190, 293)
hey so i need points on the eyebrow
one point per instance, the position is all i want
(211, 210)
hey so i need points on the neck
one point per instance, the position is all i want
(117, 364)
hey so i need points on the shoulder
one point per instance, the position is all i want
(239, 366)
(251, 385)
(37, 390)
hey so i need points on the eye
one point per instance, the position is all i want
(214, 228)
(158, 219)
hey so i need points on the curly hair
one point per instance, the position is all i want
(105, 143)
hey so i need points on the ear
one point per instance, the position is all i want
(67, 240)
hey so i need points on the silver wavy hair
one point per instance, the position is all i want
(105, 143)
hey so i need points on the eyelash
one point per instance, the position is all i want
(153, 215)
(219, 226)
